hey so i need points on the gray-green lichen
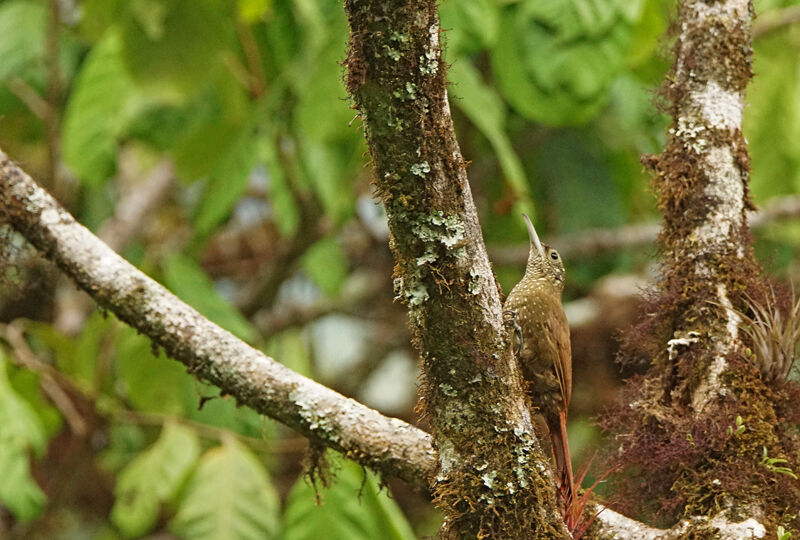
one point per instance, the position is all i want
(420, 169)
(437, 227)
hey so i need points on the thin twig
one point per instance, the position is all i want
(48, 376)
(283, 446)
(54, 93)
(593, 242)
(774, 20)
(257, 77)
(29, 96)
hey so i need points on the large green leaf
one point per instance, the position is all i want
(21, 433)
(172, 391)
(82, 366)
(281, 197)
(94, 114)
(22, 35)
(226, 413)
(487, 111)
(19, 425)
(327, 265)
(555, 60)
(18, 491)
(153, 478)
(354, 507)
(329, 169)
(215, 122)
(174, 48)
(194, 287)
(227, 183)
(773, 116)
(323, 110)
(27, 385)
(229, 496)
(470, 25)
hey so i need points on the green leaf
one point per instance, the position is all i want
(76, 358)
(326, 265)
(229, 496)
(215, 121)
(471, 25)
(153, 478)
(19, 424)
(773, 117)
(81, 366)
(28, 385)
(93, 119)
(287, 215)
(171, 392)
(21, 432)
(227, 183)
(487, 111)
(18, 491)
(173, 49)
(187, 280)
(353, 508)
(323, 111)
(329, 169)
(291, 347)
(125, 442)
(554, 61)
(251, 11)
(224, 412)
(22, 35)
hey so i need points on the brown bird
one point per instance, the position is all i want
(540, 339)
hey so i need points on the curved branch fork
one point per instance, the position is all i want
(387, 445)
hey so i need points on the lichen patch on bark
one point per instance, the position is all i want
(491, 481)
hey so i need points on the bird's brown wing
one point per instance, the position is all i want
(558, 332)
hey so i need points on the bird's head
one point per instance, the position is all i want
(543, 260)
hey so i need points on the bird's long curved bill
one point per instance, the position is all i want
(533, 236)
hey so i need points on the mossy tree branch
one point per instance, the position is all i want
(700, 421)
(701, 180)
(492, 479)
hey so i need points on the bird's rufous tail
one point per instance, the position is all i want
(558, 436)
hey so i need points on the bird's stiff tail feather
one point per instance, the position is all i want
(558, 436)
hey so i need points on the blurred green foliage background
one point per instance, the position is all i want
(265, 223)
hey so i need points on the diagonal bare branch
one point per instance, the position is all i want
(210, 353)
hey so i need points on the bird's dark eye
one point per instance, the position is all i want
(554, 256)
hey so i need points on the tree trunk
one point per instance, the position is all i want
(492, 480)
(680, 427)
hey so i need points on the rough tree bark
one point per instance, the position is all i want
(680, 426)
(492, 479)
